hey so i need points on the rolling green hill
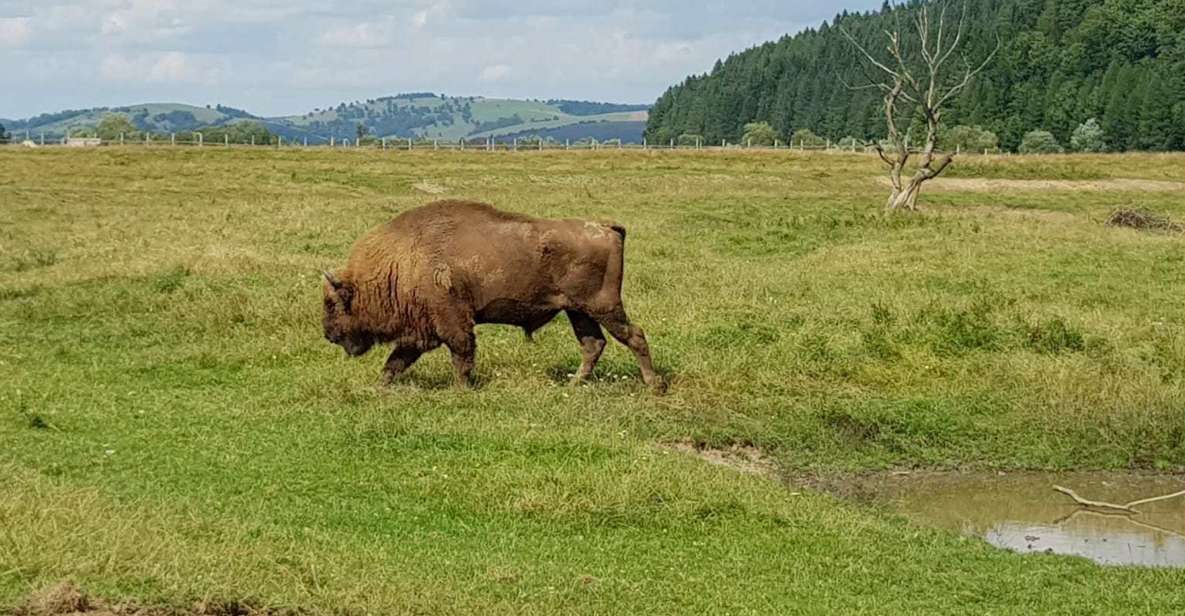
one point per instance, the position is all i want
(420, 115)
(1061, 63)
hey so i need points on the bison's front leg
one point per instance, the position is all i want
(400, 360)
(463, 347)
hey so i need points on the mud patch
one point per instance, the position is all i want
(744, 458)
(1004, 185)
(67, 599)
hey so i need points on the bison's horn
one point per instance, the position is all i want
(332, 279)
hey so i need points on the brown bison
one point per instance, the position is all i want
(425, 278)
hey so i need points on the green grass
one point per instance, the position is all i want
(173, 426)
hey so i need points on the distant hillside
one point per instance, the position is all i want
(626, 131)
(1062, 62)
(434, 116)
(421, 115)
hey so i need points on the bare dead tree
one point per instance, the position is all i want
(917, 74)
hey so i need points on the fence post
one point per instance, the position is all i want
(541, 144)
(43, 138)
(775, 144)
(567, 143)
(644, 146)
(409, 142)
(331, 140)
(516, 144)
(384, 143)
(121, 139)
(435, 145)
(252, 139)
(173, 139)
(147, 138)
(306, 142)
(200, 139)
(226, 140)
(279, 141)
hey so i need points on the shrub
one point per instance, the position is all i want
(1089, 137)
(759, 133)
(807, 138)
(969, 138)
(1040, 142)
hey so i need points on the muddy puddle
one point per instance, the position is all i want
(1022, 512)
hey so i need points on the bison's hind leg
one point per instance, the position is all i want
(535, 325)
(592, 343)
(632, 336)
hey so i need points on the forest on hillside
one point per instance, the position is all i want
(1060, 64)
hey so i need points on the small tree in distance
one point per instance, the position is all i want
(1089, 137)
(113, 125)
(1040, 142)
(759, 133)
(916, 76)
(970, 139)
(806, 138)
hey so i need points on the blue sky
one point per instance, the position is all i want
(278, 57)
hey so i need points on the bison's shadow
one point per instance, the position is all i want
(432, 381)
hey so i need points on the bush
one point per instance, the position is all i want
(113, 125)
(850, 143)
(1040, 142)
(970, 139)
(1089, 137)
(759, 133)
(805, 137)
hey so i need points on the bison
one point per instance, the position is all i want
(428, 276)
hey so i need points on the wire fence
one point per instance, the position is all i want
(490, 144)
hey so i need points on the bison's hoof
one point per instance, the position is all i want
(658, 386)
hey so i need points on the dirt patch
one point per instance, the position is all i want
(744, 458)
(67, 599)
(1004, 185)
(1143, 220)
(429, 188)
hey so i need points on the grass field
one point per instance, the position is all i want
(174, 428)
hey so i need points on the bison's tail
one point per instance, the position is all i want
(620, 230)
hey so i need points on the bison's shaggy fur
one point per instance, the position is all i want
(427, 277)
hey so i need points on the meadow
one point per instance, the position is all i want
(175, 430)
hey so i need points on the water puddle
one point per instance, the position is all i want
(1021, 512)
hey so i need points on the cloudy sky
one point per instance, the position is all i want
(277, 57)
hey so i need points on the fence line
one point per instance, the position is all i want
(197, 140)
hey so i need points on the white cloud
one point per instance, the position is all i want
(363, 35)
(15, 31)
(171, 67)
(495, 72)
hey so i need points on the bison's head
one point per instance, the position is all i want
(341, 327)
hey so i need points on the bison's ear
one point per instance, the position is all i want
(338, 291)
